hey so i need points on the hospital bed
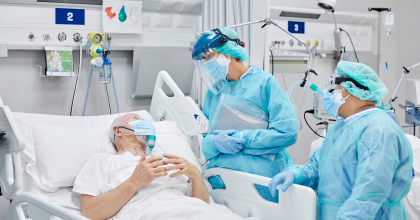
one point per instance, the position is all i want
(29, 200)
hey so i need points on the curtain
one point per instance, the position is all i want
(222, 13)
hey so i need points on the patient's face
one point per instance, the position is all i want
(127, 135)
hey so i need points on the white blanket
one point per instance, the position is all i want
(164, 198)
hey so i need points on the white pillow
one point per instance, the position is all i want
(62, 151)
(25, 122)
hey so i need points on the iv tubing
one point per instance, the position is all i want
(112, 78)
(77, 77)
(87, 92)
(107, 97)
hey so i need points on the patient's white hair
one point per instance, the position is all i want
(115, 123)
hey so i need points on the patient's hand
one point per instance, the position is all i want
(198, 189)
(147, 170)
(182, 165)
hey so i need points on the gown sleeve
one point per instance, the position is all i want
(208, 151)
(282, 128)
(308, 174)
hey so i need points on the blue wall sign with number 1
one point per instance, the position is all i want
(70, 16)
(295, 27)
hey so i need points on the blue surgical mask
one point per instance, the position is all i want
(142, 127)
(333, 101)
(217, 67)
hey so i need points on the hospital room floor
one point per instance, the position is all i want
(4, 205)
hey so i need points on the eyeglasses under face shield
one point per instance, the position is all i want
(334, 81)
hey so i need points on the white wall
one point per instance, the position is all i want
(24, 91)
(407, 33)
(300, 151)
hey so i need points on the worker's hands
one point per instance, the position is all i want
(181, 164)
(223, 141)
(286, 178)
(147, 170)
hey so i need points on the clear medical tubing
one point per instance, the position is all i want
(112, 77)
(87, 92)
(308, 84)
(398, 118)
(77, 77)
(289, 94)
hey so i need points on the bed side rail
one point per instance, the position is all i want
(11, 144)
(240, 195)
(39, 209)
(179, 108)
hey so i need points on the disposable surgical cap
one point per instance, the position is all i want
(231, 48)
(364, 75)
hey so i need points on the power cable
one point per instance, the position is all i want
(304, 116)
(354, 49)
(272, 63)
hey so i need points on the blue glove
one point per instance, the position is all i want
(223, 142)
(286, 178)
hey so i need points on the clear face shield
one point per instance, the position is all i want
(213, 68)
(212, 65)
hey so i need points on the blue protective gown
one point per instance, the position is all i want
(262, 89)
(362, 170)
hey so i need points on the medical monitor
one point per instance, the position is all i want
(149, 61)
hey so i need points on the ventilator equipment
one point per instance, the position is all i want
(101, 62)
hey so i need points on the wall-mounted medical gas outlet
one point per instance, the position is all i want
(62, 36)
(291, 42)
(181, 18)
(279, 44)
(77, 37)
(46, 37)
(31, 36)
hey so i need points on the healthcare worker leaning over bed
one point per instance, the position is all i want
(130, 186)
(364, 167)
(249, 91)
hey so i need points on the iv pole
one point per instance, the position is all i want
(379, 10)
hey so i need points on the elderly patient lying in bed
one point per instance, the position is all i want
(130, 185)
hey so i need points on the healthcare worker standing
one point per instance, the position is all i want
(364, 167)
(255, 95)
